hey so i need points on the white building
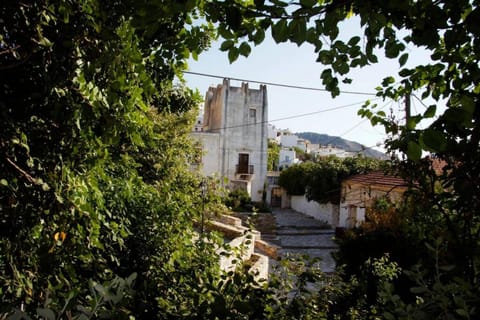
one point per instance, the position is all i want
(325, 151)
(198, 127)
(288, 140)
(272, 132)
(286, 158)
(234, 136)
(302, 144)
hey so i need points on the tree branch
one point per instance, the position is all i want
(23, 172)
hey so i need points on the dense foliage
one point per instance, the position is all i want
(273, 156)
(94, 154)
(97, 204)
(321, 180)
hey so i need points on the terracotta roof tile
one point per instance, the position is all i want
(438, 165)
(377, 178)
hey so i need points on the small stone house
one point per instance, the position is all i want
(360, 191)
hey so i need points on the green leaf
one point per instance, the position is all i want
(414, 152)
(325, 57)
(233, 54)
(341, 67)
(403, 59)
(412, 122)
(44, 42)
(280, 31)
(308, 3)
(244, 49)
(387, 81)
(258, 37)
(224, 32)
(341, 46)
(312, 37)
(417, 290)
(406, 72)
(4, 182)
(353, 41)
(462, 312)
(434, 140)
(430, 112)
(226, 45)
(468, 104)
(372, 58)
(48, 314)
(298, 31)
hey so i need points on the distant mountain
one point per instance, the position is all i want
(347, 145)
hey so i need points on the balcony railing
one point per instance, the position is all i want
(244, 169)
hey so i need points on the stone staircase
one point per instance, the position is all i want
(244, 246)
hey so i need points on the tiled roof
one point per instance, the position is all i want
(377, 178)
(438, 165)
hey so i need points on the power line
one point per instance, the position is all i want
(355, 126)
(293, 116)
(276, 84)
(420, 100)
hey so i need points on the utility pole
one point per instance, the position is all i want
(407, 108)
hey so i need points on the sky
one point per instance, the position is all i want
(306, 110)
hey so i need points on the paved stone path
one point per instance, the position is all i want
(298, 233)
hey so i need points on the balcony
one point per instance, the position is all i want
(244, 169)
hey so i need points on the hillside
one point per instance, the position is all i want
(352, 146)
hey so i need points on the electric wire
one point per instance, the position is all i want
(276, 84)
(419, 100)
(291, 117)
(355, 126)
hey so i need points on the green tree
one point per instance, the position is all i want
(273, 156)
(321, 181)
(94, 154)
(94, 185)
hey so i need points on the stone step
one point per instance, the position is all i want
(260, 267)
(305, 232)
(310, 247)
(238, 250)
(303, 227)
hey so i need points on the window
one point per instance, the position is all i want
(253, 113)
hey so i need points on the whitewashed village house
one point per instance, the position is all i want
(329, 150)
(286, 158)
(234, 136)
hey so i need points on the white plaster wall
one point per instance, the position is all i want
(322, 212)
(288, 140)
(211, 152)
(282, 158)
(272, 132)
(246, 134)
(228, 111)
(302, 145)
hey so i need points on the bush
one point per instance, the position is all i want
(239, 200)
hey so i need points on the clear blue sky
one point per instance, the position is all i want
(288, 64)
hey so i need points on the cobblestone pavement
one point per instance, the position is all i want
(297, 233)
